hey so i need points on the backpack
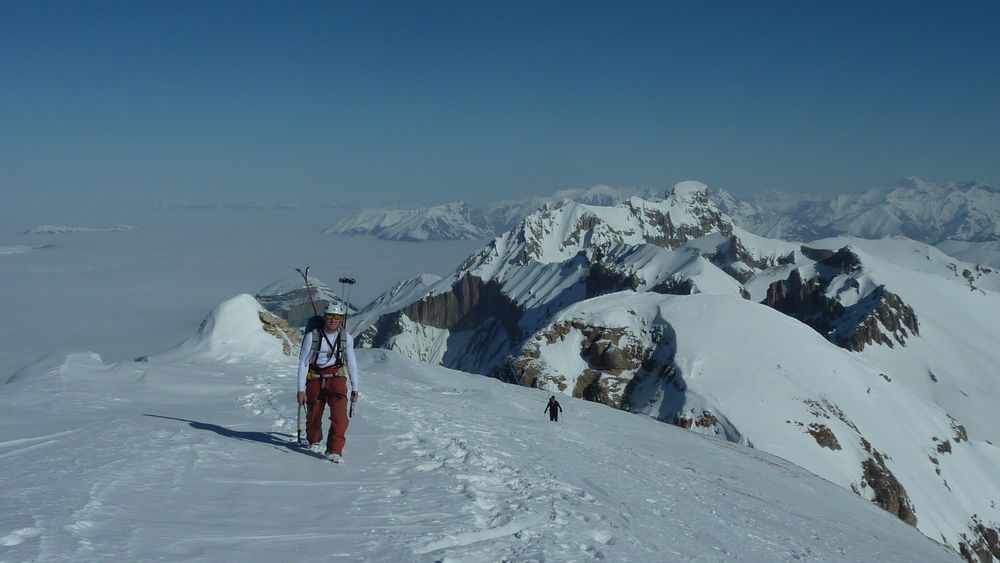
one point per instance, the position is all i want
(315, 326)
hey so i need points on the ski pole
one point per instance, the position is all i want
(298, 426)
(348, 282)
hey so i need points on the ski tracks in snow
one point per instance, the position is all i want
(497, 508)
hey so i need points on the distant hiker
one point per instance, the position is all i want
(322, 381)
(553, 409)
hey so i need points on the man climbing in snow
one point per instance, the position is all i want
(553, 409)
(322, 381)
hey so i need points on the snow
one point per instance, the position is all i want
(426, 343)
(958, 334)
(228, 335)
(196, 459)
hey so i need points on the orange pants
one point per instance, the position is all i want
(320, 393)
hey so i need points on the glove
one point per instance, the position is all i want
(301, 397)
(354, 396)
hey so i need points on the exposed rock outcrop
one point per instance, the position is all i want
(880, 317)
(279, 328)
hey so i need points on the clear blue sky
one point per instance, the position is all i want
(421, 102)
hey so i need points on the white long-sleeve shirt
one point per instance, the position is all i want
(325, 358)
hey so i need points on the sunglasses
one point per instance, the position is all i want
(334, 317)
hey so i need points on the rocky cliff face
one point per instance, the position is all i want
(878, 317)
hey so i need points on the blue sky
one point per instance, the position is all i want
(379, 103)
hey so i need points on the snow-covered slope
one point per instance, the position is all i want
(951, 359)
(193, 458)
(741, 371)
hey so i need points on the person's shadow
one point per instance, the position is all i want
(278, 440)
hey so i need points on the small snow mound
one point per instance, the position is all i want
(57, 364)
(48, 365)
(231, 333)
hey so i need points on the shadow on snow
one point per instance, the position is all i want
(274, 439)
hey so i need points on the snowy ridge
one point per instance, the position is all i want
(201, 447)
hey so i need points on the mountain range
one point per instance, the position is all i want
(871, 363)
(459, 220)
(962, 218)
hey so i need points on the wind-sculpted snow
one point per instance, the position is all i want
(233, 332)
(730, 368)
(170, 460)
